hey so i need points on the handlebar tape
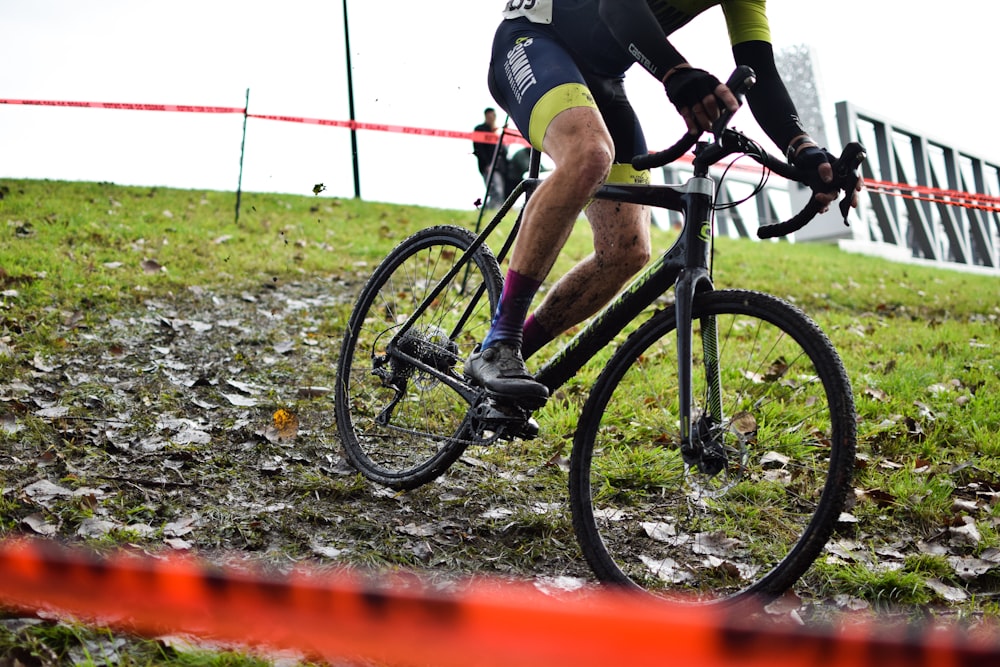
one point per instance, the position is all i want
(660, 158)
(845, 177)
(793, 224)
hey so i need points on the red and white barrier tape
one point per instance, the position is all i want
(483, 624)
(511, 136)
(984, 202)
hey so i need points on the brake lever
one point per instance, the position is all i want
(845, 174)
(739, 83)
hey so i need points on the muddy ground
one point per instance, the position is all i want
(156, 428)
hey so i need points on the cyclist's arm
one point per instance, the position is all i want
(637, 30)
(769, 100)
(750, 35)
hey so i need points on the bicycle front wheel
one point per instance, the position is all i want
(400, 423)
(646, 519)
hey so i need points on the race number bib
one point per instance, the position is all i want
(537, 11)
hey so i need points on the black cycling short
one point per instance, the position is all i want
(534, 78)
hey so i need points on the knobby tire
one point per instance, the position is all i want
(644, 522)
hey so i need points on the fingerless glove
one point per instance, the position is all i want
(688, 86)
(808, 161)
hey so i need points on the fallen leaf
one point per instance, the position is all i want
(40, 524)
(92, 527)
(325, 552)
(424, 530)
(8, 424)
(44, 491)
(240, 401)
(54, 412)
(969, 569)
(661, 531)
(559, 584)
(284, 426)
(190, 435)
(313, 392)
(850, 602)
(42, 365)
(966, 534)
(877, 394)
(667, 569)
(715, 544)
(151, 266)
(244, 387)
(786, 604)
(180, 527)
(949, 593)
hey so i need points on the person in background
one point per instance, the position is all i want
(557, 68)
(487, 155)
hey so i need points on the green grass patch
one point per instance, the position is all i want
(83, 266)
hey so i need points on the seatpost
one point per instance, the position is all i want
(535, 163)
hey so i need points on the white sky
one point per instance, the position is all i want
(414, 63)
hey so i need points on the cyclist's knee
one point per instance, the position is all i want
(587, 163)
(594, 164)
(580, 146)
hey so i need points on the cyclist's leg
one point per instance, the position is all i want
(621, 231)
(551, 105)
(554, 108)
(579, 146)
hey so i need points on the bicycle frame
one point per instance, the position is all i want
(685, 266)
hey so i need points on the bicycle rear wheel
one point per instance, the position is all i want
(646, 520)
(402, 425)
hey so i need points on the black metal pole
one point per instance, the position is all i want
(350, 104)
(497, 149)
(243, 143)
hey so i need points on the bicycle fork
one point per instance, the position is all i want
(701, 447)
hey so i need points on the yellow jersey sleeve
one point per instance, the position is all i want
(747, 20)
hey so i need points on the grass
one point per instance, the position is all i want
(920, 345)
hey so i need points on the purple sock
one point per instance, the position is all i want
(508, 321)
(533, 337)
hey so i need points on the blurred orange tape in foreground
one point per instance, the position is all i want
(398, 621)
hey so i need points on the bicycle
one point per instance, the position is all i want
(713, 472)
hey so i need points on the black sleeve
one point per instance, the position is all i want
(637, 30)
(769, 99)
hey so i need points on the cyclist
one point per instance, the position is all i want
(557, 68)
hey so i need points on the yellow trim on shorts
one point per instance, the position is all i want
(626, 174)
(554, 102)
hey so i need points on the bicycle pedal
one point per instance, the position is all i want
(510, 421)
(520, 402)
(526, 430)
